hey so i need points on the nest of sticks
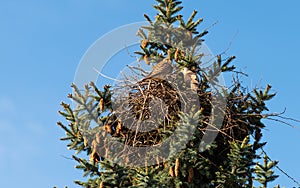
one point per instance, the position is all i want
(149, 112)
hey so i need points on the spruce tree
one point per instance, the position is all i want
(233, 159)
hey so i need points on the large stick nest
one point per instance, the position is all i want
(148, 114)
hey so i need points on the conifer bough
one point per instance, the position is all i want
(232, 160)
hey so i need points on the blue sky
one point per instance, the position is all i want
(42, 42)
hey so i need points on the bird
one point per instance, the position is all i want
(160, 70)
(190, 78)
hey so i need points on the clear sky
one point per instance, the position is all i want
(42, 42)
